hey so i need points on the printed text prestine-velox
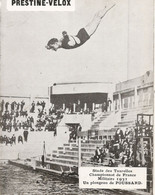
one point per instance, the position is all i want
(41, 2)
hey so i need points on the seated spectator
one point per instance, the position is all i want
(111, 163)
(97, 154)
(118, 135)
(102, 153)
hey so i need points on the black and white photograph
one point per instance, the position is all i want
(77, 97)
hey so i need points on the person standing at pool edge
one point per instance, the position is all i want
(70, 41)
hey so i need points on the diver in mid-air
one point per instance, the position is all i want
(71, 41)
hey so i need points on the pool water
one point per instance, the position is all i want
(18, 181)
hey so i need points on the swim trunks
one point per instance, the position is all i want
(82, 35)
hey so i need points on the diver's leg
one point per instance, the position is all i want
(93, 25)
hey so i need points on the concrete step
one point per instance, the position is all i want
(94, 126)
(85, 149)
(125, 122)
(129, 118)
(69, 144)
(70, 160)
(71, 149)
(65, 162)
(60, 163)
(60, 148)
(123, 125)
(96, 123)
(91, 145)
(75, 153)
(82, 149)
(95, 141)
(66, 144)
(103, 117)
(65, 156)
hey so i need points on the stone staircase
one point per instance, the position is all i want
(129, 116)
(68, 153)
(99, 120)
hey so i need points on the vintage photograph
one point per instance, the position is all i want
(77, 91)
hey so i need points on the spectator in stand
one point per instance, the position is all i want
(13, 106)
(9, 126)
(32, 110)
(13, 139)
(1, 139)
(25, 134)
(127, 132)
(78, 106)
(122, 148)
(12, 121)
(6, 106)
(2, 106)
(32, 119)
(87, 111)
(112, 163)
(18, 106)
(43, 105)
(8, 141)
(22, 105)
(20, 139)
(104, 107)
(119, 136)
(97, 154)
(15, 126)
(79, 128)
(102, 153)
(23, 113)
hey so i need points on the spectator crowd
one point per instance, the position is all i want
(124, 149)
(19, 118)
